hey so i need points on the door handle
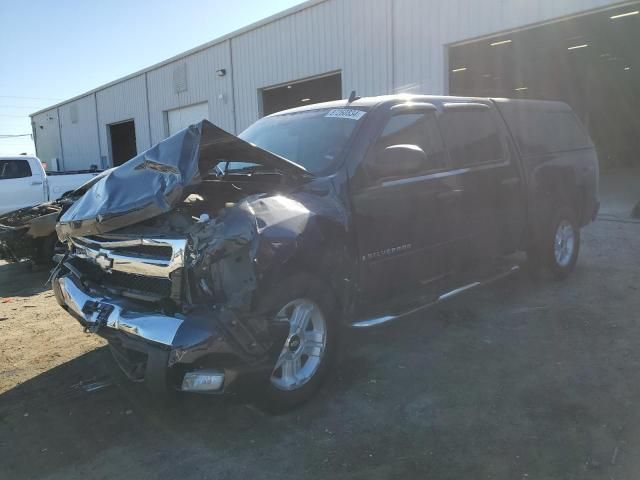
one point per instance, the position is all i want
(450, 194)
(36, 183)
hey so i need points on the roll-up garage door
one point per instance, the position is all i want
(182, 117)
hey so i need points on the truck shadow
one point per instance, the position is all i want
(22, 280)
(79, 412)
(84, 414)
(85, 407)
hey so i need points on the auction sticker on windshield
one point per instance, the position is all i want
(349, 113)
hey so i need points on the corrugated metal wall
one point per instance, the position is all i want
(202, 84)
(379, 46)
(351, 36)
(79, 132)
(47, 137)
(124, 101)
(423, 28)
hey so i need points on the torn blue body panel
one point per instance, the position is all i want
(156, 180)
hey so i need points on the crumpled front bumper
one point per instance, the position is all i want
(94, 312)
(207, 340)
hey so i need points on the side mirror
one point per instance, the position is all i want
(399, 161)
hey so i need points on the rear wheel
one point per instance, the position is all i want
(558, 249)
(302, 364)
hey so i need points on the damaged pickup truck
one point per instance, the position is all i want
(213, 261)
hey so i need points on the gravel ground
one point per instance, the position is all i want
(524, 379)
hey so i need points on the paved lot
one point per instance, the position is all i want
(522, 380)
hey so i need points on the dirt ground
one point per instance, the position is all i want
(526, 379)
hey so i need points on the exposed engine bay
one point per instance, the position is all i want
(30, 232)
(219, 228)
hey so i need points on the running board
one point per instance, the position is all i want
(376, 321)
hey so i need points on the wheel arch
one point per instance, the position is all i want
(554, 187)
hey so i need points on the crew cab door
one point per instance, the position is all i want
(19, 185)
(486, 218)
(395, 202)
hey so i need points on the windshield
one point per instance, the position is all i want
(314, 139)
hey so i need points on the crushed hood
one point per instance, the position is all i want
(155, 181)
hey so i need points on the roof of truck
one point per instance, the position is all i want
(370, 102)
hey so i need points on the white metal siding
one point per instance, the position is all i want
(379, 46)
(180, 118)
(80, 140)
(124, 101)
(352, 36)
(423, 28)
(47, 138)
(202, 85)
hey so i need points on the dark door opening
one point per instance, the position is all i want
(591, 62)
(306, 92)
(123, 142)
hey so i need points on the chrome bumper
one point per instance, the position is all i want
(194, 342)
(101, 312)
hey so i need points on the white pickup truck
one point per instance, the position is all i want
(24, 182)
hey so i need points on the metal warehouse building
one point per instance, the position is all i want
(585, 52)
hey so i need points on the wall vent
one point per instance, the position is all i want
(73, 111)
(180, 78)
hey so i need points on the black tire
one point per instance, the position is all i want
(300, 286)
(543, 254)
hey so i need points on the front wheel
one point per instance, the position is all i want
(559, 246)
(302, 364)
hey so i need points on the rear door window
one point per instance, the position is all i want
(541, 132)
(14, 169)
(472, 136)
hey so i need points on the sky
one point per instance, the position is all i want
(52, 50)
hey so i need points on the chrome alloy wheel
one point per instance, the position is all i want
(564, 244)
(304, 347)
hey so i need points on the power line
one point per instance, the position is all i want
(10, 135)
